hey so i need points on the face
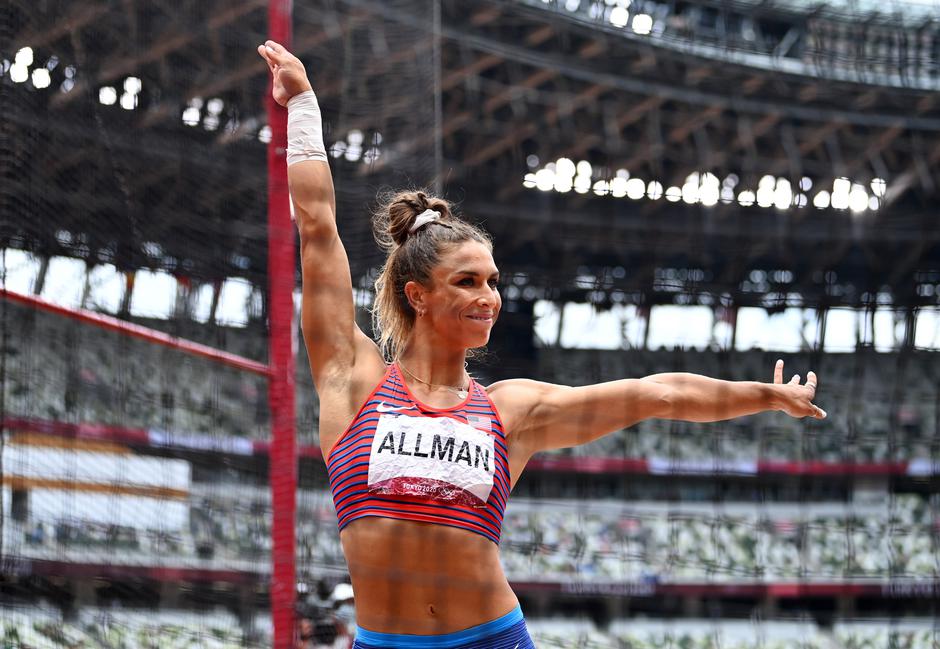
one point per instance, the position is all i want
(463, 301)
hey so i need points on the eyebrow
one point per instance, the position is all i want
(473, 273)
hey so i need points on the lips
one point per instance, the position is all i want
(482, 318)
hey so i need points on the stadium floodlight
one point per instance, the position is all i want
(858, 199)
(840, 193)
(264, 135)
(338, 149)
(618, 187)
(19, 73)
(584, 168)
(642, 24)
(690, 193)
(128, 101)
(565, 167)
(132, 85)
(532, 161)
(821, 200)
(563, 184)
(873, 203)
(529, 181)
(673, 194)
(545, 179)
(107, 96)
(619, 17)
(746, 198)
(783, 195)
(878, 187)
(24, 57)
(582, 184)
(654, 190)
(41, 78)
(636, 188)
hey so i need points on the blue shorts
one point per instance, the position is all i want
(506, 632)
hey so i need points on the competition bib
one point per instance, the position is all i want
(439, 458)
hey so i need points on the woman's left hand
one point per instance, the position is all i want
(795, 399)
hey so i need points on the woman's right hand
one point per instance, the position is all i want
(290, 77)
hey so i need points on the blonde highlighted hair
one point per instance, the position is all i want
(411, 257)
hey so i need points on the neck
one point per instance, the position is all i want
(434, 365)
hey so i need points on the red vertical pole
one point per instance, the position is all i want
(281, 261)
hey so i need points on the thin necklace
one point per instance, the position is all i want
(460, 392)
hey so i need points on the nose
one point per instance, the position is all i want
(489, 296)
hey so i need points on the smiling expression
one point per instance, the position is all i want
(463, 300)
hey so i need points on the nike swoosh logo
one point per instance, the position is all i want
(383, 407)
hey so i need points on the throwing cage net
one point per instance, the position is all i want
(142, 499)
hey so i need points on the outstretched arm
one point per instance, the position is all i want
(543, 416)
(333, 340)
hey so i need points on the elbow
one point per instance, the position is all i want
(315, 226)
(661, 400)
(666, 403)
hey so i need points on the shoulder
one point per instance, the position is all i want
(515, 399)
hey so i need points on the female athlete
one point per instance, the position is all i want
(420, 457)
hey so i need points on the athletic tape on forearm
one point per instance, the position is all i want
(304, 129)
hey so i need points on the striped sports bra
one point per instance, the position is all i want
(400, 458)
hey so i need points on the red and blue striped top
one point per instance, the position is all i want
(400, 458)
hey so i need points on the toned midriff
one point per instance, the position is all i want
(419, 578)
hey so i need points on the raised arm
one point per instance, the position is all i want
(334, 342)
(542, 416)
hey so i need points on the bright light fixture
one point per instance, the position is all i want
(858, 199)
(545, 179)
(619, 17)
(191, 116)
(41, 78)
(128, 101)
(565, 167)
(642, 24)
(132, 85)
(107, 95)
(635, 188)
(19, 73)
(618, 187)
(24, 57)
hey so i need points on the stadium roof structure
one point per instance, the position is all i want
(477, 98)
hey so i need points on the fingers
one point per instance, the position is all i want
(811, 380)
(275, 51)
(818, 412)
(795, 380)
(778, 371)
(266, 56)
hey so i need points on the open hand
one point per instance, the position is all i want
(289, 75)
(794, 399)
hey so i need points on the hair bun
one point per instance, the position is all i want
(394, 219)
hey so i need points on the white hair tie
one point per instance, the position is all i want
(423, 219)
